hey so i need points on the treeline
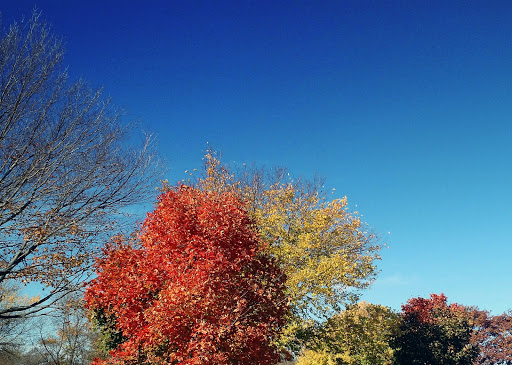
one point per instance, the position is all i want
(426, 331)
(63, 337)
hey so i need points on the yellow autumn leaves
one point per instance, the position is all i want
(320, 245)
(358, 335)
(325, 250)
(10, 296)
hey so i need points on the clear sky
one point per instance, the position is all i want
(403, 106)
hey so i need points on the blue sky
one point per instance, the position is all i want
(403, 106)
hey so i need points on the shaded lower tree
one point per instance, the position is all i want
(109, 337)
(433, 332)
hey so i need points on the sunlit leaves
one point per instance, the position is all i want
(325, 250)
(194, 288)
(360, 334)
(322, 357)
(320, 245)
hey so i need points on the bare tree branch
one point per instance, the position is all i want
(68, 166)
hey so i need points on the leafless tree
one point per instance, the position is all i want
(12, 330)
(66, 337)
(68, 167)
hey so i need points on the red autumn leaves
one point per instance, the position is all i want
(195, 287)
(433, 310)
(433, 332)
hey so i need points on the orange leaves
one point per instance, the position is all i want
(430, 310)
(195, 288)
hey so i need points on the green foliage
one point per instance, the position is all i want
(359, 335)
(110, 336)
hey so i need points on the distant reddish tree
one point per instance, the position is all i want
(493, 334)
(194, 288)
(433, 332)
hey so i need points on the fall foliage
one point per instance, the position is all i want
(360, 334)
(433, 332)
(493, 336)
(326, 251)
(427, 331)
(195, 287)
(65, 167)
(319, 357)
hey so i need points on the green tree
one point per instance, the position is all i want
(359, 335)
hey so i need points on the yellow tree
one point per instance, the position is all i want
(326, 251)
(359, 335)
(311, 357)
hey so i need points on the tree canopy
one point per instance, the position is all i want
(493, 336)
(326, 251)
(358, 335)
(433, 332)
(195, 287)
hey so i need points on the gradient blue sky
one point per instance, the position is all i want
(403, 106)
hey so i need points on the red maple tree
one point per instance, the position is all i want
(433, 332)
(493, 335)
(195, 287)
(432, 310)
